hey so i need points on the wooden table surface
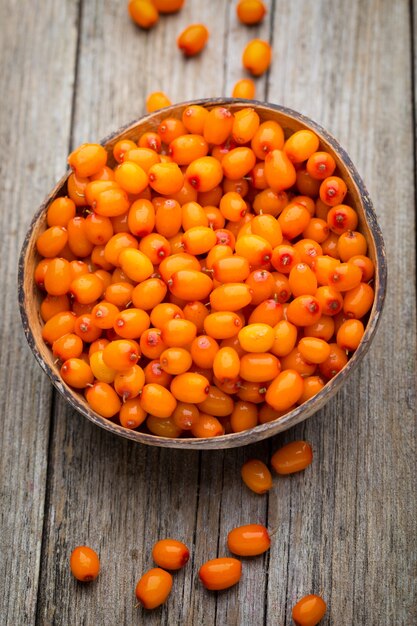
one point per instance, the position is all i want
(75, 70)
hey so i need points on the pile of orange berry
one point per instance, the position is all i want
(250, 540)
(209, 279)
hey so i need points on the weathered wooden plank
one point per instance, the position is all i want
(35, 103)
(350, 518)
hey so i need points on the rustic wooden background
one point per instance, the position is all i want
(75, 70)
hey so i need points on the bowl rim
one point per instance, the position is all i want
(299, 413)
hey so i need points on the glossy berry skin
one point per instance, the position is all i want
(334, 363)
(144, 14)
(292, 457)
(301, 145)
(333, 190)
(88, 159)
(256, 476)
(350, 334)
(279, 171)
(60, 211)
(244, 89)
(309, 611)
(249, 540)
(304, 310)
(250, 12)
(259, 367)
(84, 564)
(131, 414)
(244, 416)
(170, 554)
(190, 387)
(220, 573)
(193, 39)
(204, 173)
(257, 57)
(157, 100)
(222, 324)
(358, 301)
(285, 390)
(103, 399)
(76, 373)
(168, 6)
(153, 588)
(157, 400)
(207, 426)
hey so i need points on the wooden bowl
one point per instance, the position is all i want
(30, 298)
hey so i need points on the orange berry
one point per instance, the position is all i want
(269, 312)
(101, 371)
(199, 240)
(251, 392)
(194, 117)
(185, 415)
(166, 178)
(170, 554)
(190, 285)
(86, 328)
(257, 250)
(320, 165)
(313, 349)
(157, 401)
(76, 373)
(342, 218)
(257, 56)
(293, 220)
(256, 338)
(129, 383)
(111, 202)
(218, 125)
(330, 300)
(249, 540)
(311, 386)
(84, 564)
(76, 186)
(238, 162)
(214, 217)
(186, 148)
(309, 611)
(323, 329)
(167, 217)
(281, 291)
(131, 414)
(98, 229)
(168, 6)
(60, 211)
(345, 276)
(333, 190)
(149, 293)
(292, 457)
(52, 241)
(268, 414)
(51, 305)
(358, 301)
(302, 280)
(175, 360)
(119, 294)
(222, 324)
(244, 89)
(245, 124)
(121, 354)
(193, 39)
(164, 312)
(307, 250)
(365, 265)
(203, 351)
(169, 129)
(196, 313)
(256, 476)
(295, 361)
(151, 343)
(131, 177)
(144, 157)
(230, 297)
(86, 288)
(204, 173)
(157, 100)
(131, 323)
(351, 243)
(162, 427)
(153, 588)
(68, 346)
(285, 390)
(148, 140)
(88, 159)
(217, 403)
(104, 314)
(259, 367)
(232, 206)
(207, 426)
(231, 269)
(135, 264)
(155, 374)
(304, 310)
(250, 11)
(220, 573)
(57, 280)
(226, 364)
(350, 334)
(177, 262)
(190, 387)
(145, 15)
(334, 363)
(301, 145)
(244, 416)
(58, 325)
(178, 332)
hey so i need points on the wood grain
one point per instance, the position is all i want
(34, 131)
(346, 527)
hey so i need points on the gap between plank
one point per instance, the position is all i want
(413, 53)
